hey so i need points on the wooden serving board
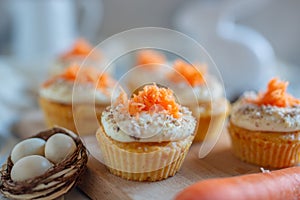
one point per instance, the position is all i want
(98, 183)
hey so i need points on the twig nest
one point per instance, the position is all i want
(47, 173)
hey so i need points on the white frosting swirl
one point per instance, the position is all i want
(62, 91)
(61, 64)
(210, 91)
(156, 127)
(142, 75)
(264, 118)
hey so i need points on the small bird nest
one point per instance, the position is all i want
(54, 183)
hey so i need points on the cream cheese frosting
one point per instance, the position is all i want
(264, 118)
(156, 127)
(62, 91)
(210, 91)
(142, 75)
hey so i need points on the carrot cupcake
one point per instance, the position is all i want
(265, 127)
(203, 94)
(60, 105)
(150, 67)
(80, 50)
(146, 137)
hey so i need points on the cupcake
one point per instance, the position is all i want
(93, 94)
(80, 51)
(146, 137)
(150, 67)
(265, 127)
(203, 94)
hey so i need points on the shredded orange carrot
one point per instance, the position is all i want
(104, 81)
(80, 48)
(147, 57)
(122, 99)
(153, 99)
(87, 75)
(276, 95)
(192, 75)
(70, 73)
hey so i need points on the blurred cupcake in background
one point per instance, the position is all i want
(81, 51)
(93, 93)
(150, 67)
(203, 94)
(145, 57)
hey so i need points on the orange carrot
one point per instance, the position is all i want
(149, 58)
(282, 184)
(153, 99)
(189, 72)
(80, 48)
(276, 95)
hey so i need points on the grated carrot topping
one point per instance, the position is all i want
(88, 75)
(104, 81)
(147, 57)
(80, 48)
(121, 99)
(152, 99)
(276, 95)
(191, 74)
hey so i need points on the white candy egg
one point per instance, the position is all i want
(31, 146)
(58, 147)
(29, 167)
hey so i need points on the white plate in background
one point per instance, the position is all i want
(244, 57)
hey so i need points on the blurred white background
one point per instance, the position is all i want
(250, 40)
(245, 38)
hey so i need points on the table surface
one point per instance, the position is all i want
(98, 182)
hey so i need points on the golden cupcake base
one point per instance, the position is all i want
(266, 149)
(139, 161)
(210, 124)
(62, 114)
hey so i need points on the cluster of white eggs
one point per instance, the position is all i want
(33, 157)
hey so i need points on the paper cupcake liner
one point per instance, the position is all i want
(61, 114)
(272, 151)
(215, 123)
(210, 124)
(141, 162)
(157, 175)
